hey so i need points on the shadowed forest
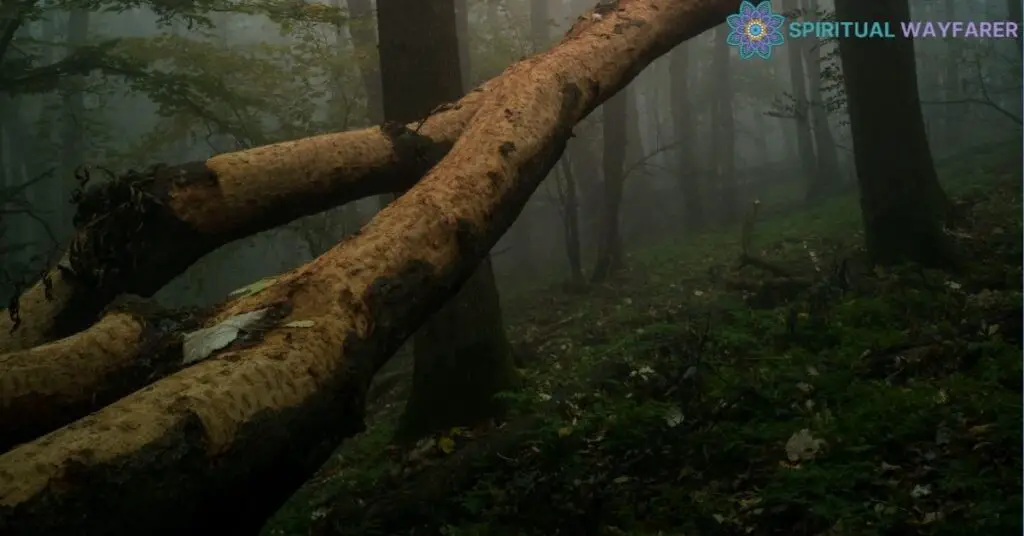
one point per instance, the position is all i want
(506, 267)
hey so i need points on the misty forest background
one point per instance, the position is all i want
(712, 159)
(122, 90)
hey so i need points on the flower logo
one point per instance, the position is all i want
(755, 30)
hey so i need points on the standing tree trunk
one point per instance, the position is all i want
(723, 127)
(804, 140)
(902, 204)
(827, 158)
(363, 29)
(609, 245)
(571, 222)
(952, 91)
(1014, 10)
(462, 358)
(683, 123)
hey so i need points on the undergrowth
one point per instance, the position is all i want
(805, 394)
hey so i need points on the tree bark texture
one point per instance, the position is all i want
(216, 447)
(461, 354)
(903, 205)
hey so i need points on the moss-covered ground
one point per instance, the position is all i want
(692, 396)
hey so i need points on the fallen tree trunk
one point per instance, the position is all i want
(137, 232)
(48, 386)
(218, 446)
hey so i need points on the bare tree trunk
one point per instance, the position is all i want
(827, 172)
(609, 246)
(723, 124)
(462, 357)
(216, 447)
(1014, 8)
(954, 114)
(903, 206)
(804, 139)
(683, 128)
(571, 223)
(363, 27)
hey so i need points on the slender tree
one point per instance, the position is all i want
(723, 127)
(798, 84)
(826, 171)
(683, 126)
(952, 90)
(461, 355)
(609, 245)
(1014, 10)
(902, 204)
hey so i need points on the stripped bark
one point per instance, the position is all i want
(48, 386)
(218, 446)
(138, 232)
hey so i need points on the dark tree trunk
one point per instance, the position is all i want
(953, 113)
(827, 176)
(903, 206)
(363, 28)
(571, 222)
(683, 126)
(804, 139)
(723, 127)
(609, 246)
(462, 357)
(1014, 8)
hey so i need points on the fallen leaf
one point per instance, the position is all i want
(673, 417)
(300, 324)
(446, 445)
(889, 467)
(803, 446)
(201, 343)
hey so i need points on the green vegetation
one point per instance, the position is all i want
(694, 397)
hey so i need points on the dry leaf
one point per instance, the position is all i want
(803, 446)
(201, 343)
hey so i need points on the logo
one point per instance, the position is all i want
(755, 30)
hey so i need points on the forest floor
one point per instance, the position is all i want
(692, 396)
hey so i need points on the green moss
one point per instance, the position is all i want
(667, 402)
